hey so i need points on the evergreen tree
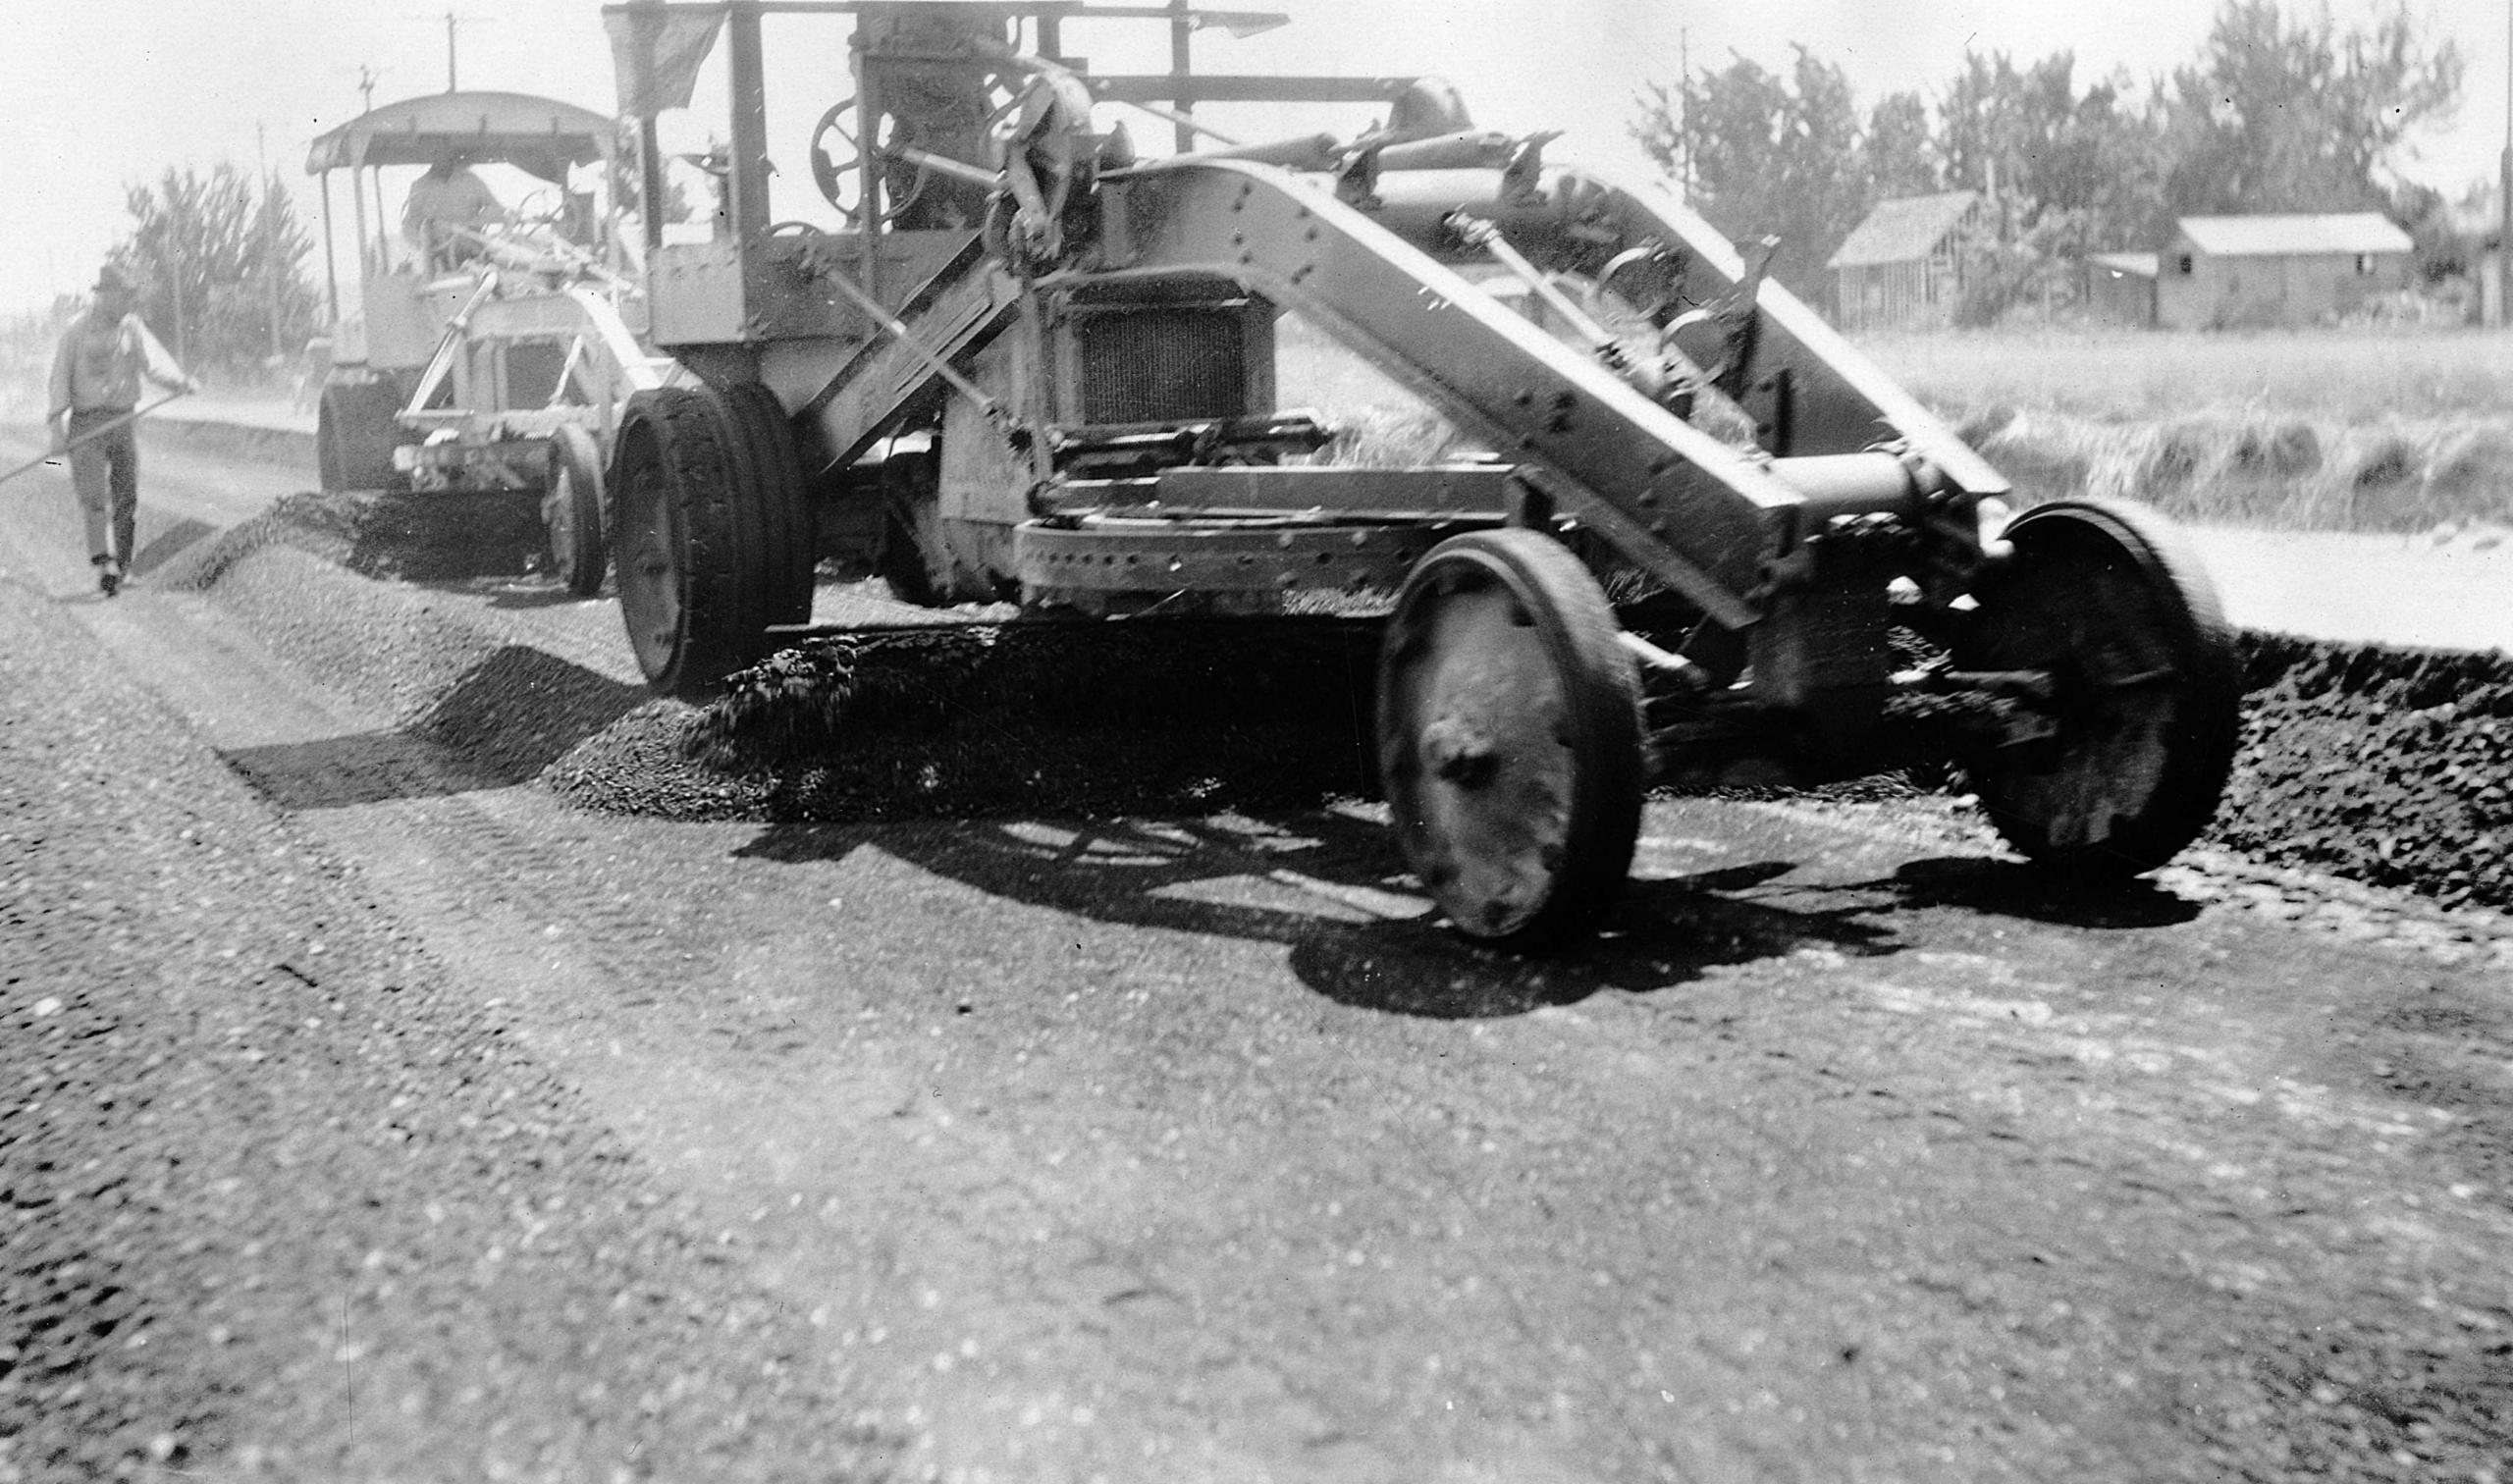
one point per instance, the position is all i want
(215, 259)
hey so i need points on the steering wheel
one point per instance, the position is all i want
(1636, 284)
(838, 172)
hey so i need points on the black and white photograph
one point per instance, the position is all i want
(1341, 742)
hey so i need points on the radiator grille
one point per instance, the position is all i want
(1163, 364)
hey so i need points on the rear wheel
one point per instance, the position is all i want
(1509, 741)
(572, 512)
(695, 537)
(2108, 600)
(354, 436)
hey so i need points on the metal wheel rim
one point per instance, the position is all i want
(647, 561)
(558, 516)
(332, 459)
(2119, 699)
(1481, 771)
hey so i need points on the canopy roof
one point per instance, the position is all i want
(542, 136)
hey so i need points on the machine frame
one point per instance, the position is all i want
(1036, 366)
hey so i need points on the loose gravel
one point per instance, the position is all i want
(278, 1198)
(2387, 766)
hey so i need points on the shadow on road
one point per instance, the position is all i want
(1326, 886)
(169, 544)
(2017, 890)
(509, 717)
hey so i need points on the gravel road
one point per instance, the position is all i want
(374, 1115)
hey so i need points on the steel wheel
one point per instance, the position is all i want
(2109, 600)
(1509, 735)
(572, 512)
(354, 435)
(688, 543)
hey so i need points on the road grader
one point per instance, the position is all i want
(496, 357)
(1028, 363)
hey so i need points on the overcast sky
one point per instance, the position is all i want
(102, 93)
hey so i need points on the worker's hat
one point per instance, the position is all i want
(111, 280)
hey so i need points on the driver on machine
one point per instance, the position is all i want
(448, 196)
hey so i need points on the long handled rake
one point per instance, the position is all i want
(98, 430)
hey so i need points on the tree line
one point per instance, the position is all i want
(2276, 114)
(220, 263)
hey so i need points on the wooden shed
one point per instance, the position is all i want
(1902, 268)
(2260, 271)
(2121, 287)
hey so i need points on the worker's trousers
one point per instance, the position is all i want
(105, 471)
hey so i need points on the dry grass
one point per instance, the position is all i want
(2363, 430)
(2278, 474)
(2353, 377)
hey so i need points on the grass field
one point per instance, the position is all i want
(2372, 430)
(2352, 377)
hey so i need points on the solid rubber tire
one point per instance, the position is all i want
(1480, 680)
(355, 437)
(770, 469)
(687, 548)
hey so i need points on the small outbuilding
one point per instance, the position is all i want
(1902, 268)
(2121, 287)
(2229, 272)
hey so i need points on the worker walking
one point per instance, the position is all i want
(104, 356)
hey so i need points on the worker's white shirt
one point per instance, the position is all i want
(460, 199)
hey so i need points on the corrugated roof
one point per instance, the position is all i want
(1900, 231)
(2135, 264)
(2280, 235)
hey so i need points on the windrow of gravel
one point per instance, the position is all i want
(1161, 715)
(2388, 766)
(2392, 767)
(280, 1199)
(422, 538)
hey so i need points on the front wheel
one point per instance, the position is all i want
(1510, 738)
(354, 435)
(2107, 599)
(572, 512)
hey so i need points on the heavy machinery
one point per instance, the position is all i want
(1027, 363)
(497, 355)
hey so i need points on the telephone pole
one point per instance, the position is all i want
(1685, 113)
(453, 25)
(270, 237)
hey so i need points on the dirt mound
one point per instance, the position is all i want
(1144, 715)
(424, 537)
(2393, 767)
